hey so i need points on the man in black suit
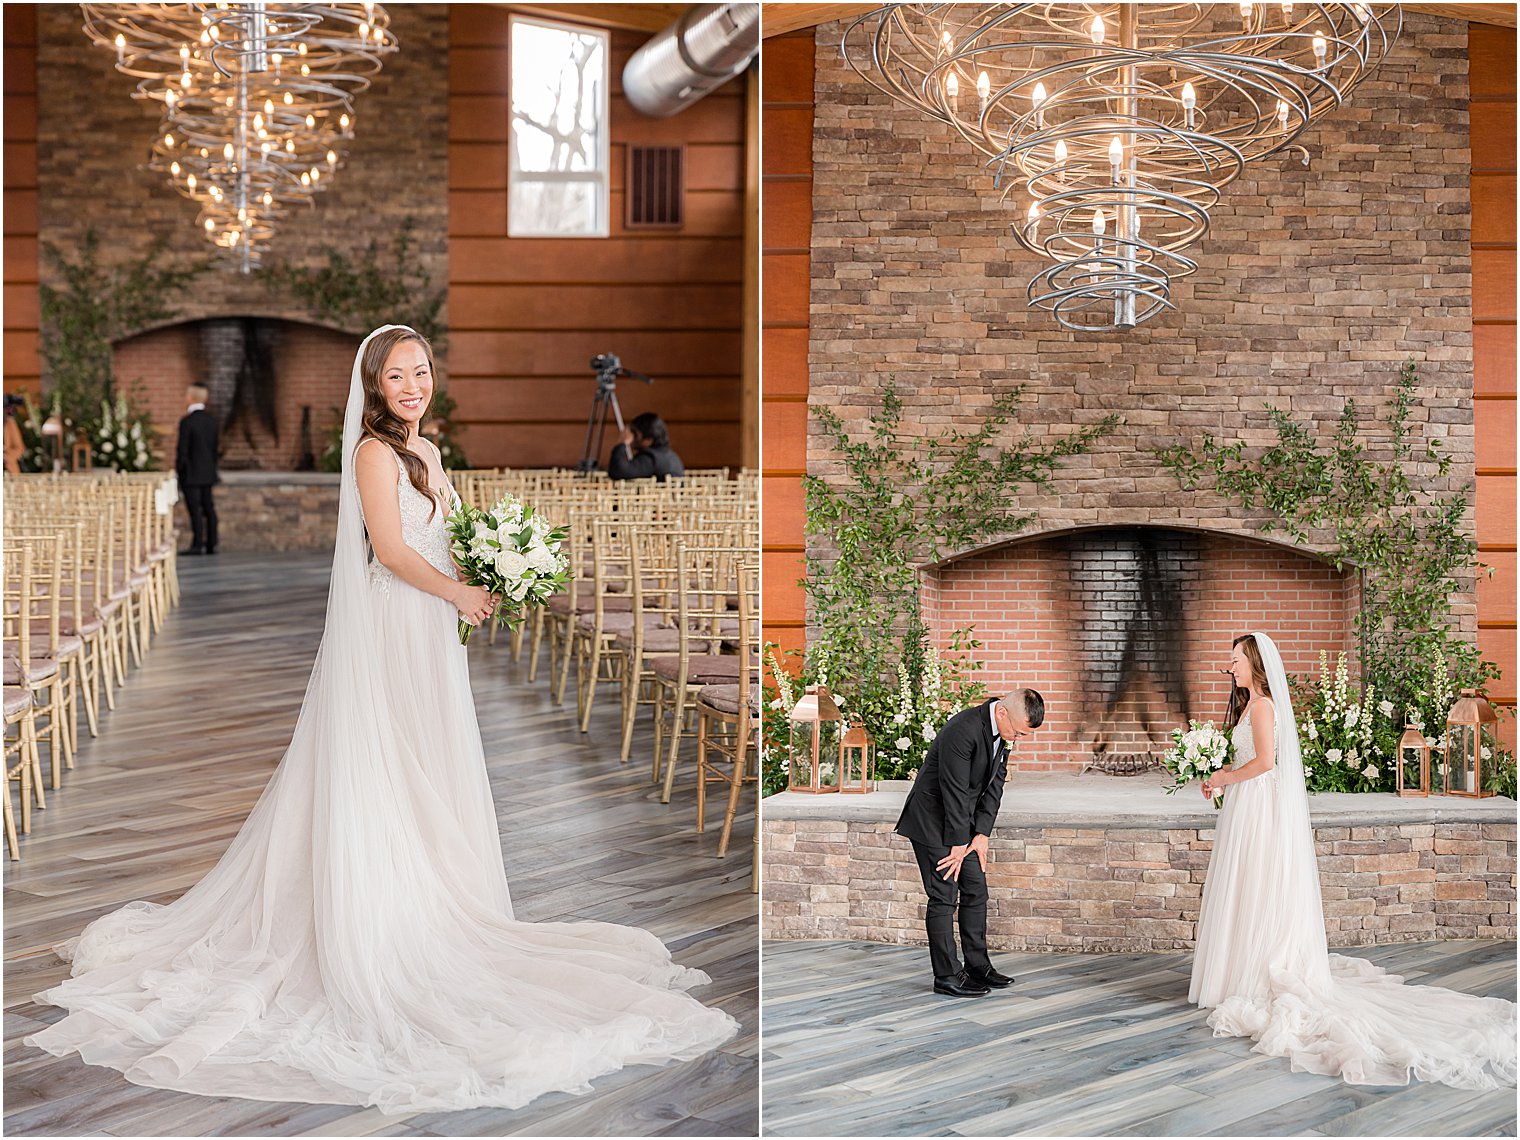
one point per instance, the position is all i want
(654, 457)
(948, 817)
(195, 465)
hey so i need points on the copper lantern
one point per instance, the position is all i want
(813, 744)
(1413, 756)
(857, 761)
(1469, 745)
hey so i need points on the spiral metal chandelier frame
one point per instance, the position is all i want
(1115, 127)
(256, 101)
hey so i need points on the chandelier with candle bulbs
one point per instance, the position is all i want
(1113, 128)
(256, 101)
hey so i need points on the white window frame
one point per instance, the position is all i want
(603, 175)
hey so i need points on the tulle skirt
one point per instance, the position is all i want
(1261, 964)
(356, 944)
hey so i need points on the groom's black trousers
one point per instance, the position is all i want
(968, 895)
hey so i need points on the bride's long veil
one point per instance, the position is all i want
(1300, 921)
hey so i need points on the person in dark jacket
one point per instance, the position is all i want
(948, 817)
(195, 465)
(645, 452)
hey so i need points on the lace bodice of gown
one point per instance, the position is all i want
(429, 537)
(1245, 745)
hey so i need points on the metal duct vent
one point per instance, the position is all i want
(705, 48)
(656, 187)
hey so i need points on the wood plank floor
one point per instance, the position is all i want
(856, 1044)
(158, 796)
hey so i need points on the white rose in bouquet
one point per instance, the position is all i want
(1196, 753)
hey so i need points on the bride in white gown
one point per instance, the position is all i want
(1262, 962)
(356, 944)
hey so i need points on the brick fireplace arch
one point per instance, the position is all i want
(1125, 629)
(308, 367)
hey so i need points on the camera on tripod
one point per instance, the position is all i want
(608, 367)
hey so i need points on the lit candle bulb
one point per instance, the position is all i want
(952, 90)
(1097, 30)
(227, 151)
(268, 198)
(364, 31)
(170, 97)
(210, 225)
(265, 148)
(288, 99)
(258, 122)
(301, 48)
(306, 69)
(121, 48)
(168, 140)
(242, 214)
(184, 53)
(1034, 220)
(184, 80)
(343, 121)
(174, 168)
(1282, 114)
(1039, 105)
(305, 178)
(311, 120)
(316, 174)
(268, 106)
(1099, 222)
(205, 39)
(332, 158)
(190, 181)
(1189, 103)
(1116, 156)
(290, 146)
(983, 89)
(1061, 157)
(1320, 48)
(1287, 10)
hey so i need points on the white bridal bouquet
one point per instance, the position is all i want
(509, 550)
(1196, 753)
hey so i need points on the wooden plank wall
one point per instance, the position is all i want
(787, 222)
(527, 315)
(1491, 73)
(22, 368)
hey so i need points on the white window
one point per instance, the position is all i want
(559, 156)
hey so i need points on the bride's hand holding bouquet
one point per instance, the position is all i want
(511, 552)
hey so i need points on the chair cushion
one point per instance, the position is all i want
(41, 669)
(725, 698)
(560, 604)
(700, 670)
(618, 623)
(89, 626)
(16, 700)
(68, 645)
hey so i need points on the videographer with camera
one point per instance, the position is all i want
(645, 452)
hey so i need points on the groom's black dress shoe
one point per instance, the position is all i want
(192, 550)
(962, 985)
(991, 978)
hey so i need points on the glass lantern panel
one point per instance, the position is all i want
(1463, 755)
(800, 754)
(829, 732)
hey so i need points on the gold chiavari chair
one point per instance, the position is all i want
(39, 661)
(729, 715)
(706, 577)
(20, 676)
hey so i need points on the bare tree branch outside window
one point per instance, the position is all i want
(558, 173)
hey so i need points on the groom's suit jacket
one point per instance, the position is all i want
(958, 790)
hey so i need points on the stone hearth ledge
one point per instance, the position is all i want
(1094, 800)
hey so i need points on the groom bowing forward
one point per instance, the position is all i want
(949, 816)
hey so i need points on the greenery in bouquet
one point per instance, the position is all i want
(1197, 752)
(510, 550)
(122, 437)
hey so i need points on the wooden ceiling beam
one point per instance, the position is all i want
(778, 19)
(649, 18)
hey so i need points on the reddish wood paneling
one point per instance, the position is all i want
(528, 314)
(1491, 66)
(22, 366)
(787, 188)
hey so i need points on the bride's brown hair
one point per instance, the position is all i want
(1239, 697)
(379, 421)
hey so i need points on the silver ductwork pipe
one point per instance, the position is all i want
(705, 48)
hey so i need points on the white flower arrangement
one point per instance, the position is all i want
(1197, 752)
(511, 551)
